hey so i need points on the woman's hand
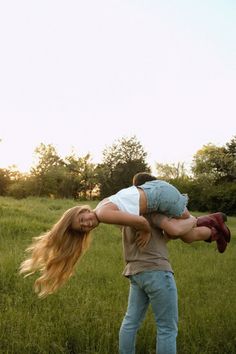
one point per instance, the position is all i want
(143, 237)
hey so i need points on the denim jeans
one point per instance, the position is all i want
(164, 198)
(159, 289)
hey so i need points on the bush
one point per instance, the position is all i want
(206, 196)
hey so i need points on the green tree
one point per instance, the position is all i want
(46, 157)
(214, 170)
(171, 171)
(5, 180)
(120, 162)
(81, 180)
(230, 160)
(216, 164)
(20, 185)
(48, 169)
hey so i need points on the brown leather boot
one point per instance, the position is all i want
(216, 220)
(219, 238)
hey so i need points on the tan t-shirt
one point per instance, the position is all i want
(153, 257)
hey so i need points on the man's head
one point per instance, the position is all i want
(142, 177)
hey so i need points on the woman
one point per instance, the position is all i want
(56, 252)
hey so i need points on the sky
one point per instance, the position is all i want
(82, 74)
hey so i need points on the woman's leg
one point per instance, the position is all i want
(172, 226)
(202, 233)
(137, 306)
(189, 229)
(204, 228)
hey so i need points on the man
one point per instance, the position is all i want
(152, 278)
(151, 282)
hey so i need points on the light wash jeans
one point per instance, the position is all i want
(159, 289)
(164, 198)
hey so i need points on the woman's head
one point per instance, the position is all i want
(56, 253)
(84, 220)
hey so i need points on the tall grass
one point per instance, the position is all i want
(85, 315)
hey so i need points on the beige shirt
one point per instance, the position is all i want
(153, 257)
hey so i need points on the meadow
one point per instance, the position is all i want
(84, 316)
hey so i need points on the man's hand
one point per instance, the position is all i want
(142, 239)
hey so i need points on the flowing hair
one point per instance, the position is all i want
(55, 253)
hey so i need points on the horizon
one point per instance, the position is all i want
(187, 164)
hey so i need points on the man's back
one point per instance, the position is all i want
(154, 256)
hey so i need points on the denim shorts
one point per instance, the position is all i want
(164, 198)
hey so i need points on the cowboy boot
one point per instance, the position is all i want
(219, 238)
(216, 220)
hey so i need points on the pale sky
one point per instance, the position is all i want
(83, 73)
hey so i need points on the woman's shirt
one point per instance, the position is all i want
(127, 200)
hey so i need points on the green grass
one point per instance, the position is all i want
(85, 315)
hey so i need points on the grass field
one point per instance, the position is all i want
(85, 315)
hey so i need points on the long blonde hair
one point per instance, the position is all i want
(55, 253)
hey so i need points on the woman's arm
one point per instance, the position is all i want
(117, 217)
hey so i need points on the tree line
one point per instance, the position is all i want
(210, 184)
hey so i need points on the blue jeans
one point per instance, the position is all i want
(159, 289)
